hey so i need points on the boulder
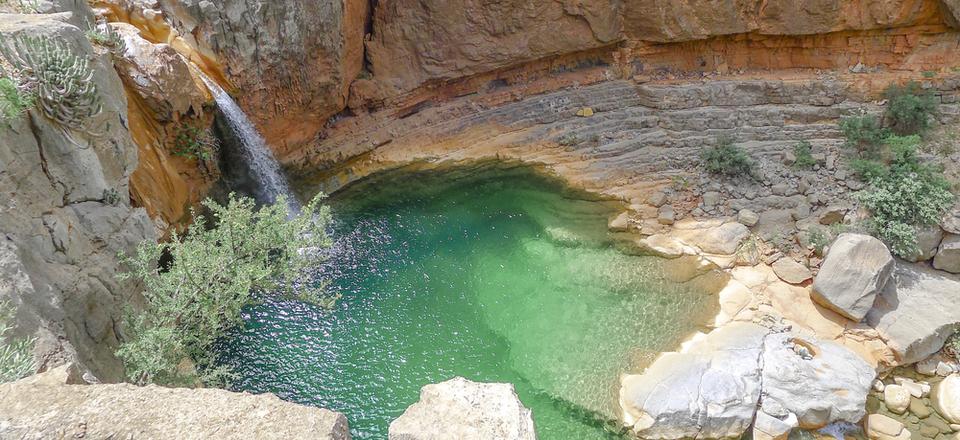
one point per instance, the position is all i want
(897, 398)
(767, 427)
(855, 269)
(462, 409)
(47, 408)
(710, 389)
(790, 271)
(948, 255)
(719, 240)
(946, 398)
(820, 381)
(928, 241)
(913, 314)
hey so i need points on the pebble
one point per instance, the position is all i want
(897, 398)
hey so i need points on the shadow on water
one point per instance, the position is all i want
(492, 272)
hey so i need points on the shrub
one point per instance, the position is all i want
(13, 101)
(910, 194)
(195, 143)
(215, 270)
(61, 80)
(726, 158)
(909, 108)
(16, 359)
(863, 134)
(818, 240)
(804, 154)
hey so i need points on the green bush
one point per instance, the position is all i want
(818, 240)
(804, 154)
(194, 143)
(726, 158)
(863, 134)
(241, 257)
(13, 101)
(909, 108)
(909, 194)
(16, 359)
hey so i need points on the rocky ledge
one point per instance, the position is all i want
(58, 404)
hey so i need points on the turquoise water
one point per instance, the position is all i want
(493, 273)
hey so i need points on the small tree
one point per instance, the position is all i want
(727, 158)
(909, 108)
(240, 257)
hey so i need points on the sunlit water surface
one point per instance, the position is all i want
(493, 273)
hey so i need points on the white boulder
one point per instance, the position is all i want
(946, 398)
(897, 398)
(462, 409)
(855, 270)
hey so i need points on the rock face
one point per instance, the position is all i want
(42, 408)
(855, 269)
(462, 409)
(294, 60)
(916, 291)
(416, 41)
(714, 387)
(65, 214)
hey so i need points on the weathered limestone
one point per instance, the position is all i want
(855, 269)
(462, 409)
(64, 215)
(946, 398)
(821, 382)
(914, 313)
(791, 271)
(723, 239)
(948, 255)
(710, 390)
(46, 407)
(714, 386)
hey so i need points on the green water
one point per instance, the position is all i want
(493, 273)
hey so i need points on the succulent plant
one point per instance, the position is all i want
(105, 35)
(61, 80)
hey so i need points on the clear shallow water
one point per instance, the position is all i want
(492, 273)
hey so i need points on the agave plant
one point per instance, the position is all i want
(61, 80)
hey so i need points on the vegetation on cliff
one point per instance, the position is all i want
(16, 359)
(905, 192)
(196, 285)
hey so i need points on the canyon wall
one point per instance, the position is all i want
(65, 214)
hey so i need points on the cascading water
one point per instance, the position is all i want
(264, 168)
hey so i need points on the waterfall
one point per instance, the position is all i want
(265, 170)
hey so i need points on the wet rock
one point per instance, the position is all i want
(463, 409)
(946, 398)
(881, 427)
(855, 269)
(620, 223)
(910, 314)
(658, 245)
(897, 398)
(948, 255)
(919, 409)
(791, 271)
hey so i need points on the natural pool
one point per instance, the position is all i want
(491, 272)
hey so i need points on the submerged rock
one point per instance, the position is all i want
(855, 269)
(466, 410)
